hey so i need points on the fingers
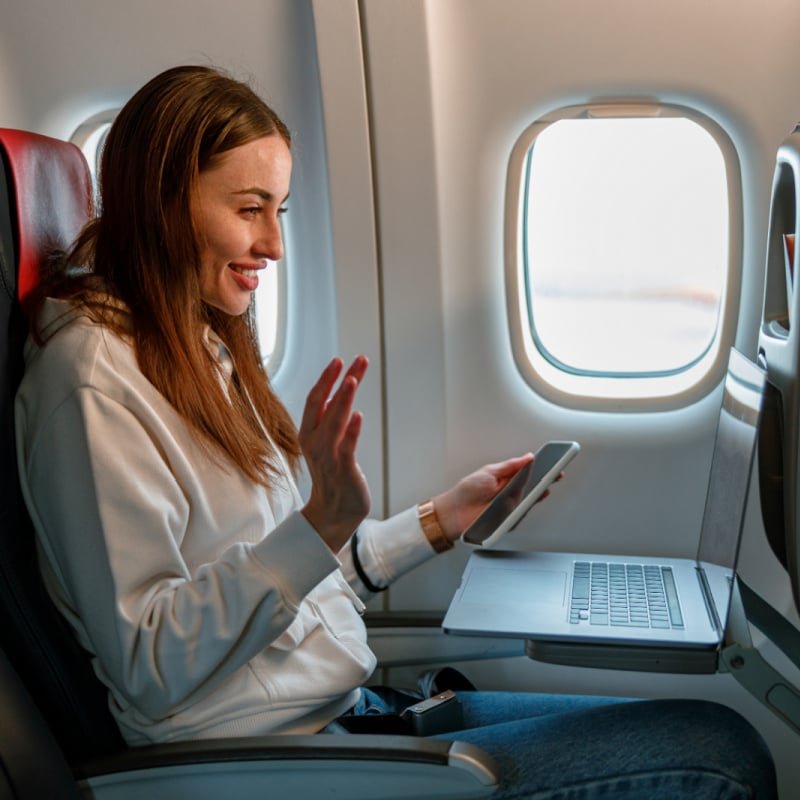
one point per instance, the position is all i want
(509, 467)
(350, 381)
(338, 416)
(350, 436)
(318, 396)
(514, 465)
(544, 496)
(359, 367)
(504, 471)
(329, 435)
(320, 402)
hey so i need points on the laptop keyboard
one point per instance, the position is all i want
(628, 595)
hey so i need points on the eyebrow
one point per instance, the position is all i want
(262, 193)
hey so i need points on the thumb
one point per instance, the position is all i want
(510, 467)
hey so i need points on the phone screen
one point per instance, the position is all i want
(525, 488)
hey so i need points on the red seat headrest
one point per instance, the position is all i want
(51, 198)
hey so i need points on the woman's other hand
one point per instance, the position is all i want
(328, 434)
(458, 507)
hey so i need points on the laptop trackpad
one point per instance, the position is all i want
(488, 586)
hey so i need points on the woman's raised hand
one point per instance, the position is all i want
(329, 432)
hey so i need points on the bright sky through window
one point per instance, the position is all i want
(626, 244)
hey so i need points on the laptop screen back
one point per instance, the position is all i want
(729, 480)
(732, 462)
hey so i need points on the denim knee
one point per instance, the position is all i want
(614, 749)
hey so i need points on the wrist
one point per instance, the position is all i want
(335, 535)
(432, 528)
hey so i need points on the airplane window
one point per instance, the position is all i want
(268, 312)
(624, 244)
(627, 243)
(90, 137)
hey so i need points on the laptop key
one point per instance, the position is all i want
(675, 616)
(629, 595)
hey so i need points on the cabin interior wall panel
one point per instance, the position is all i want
(352, 218)
(472, 76)
(404, 114)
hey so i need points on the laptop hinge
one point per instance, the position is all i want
(748, 666)
(708, 599)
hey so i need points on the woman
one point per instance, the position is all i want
(158, 468)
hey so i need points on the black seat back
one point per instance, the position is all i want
(32, 766)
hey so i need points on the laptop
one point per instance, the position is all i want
(644, 613)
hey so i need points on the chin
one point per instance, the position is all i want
(236, 311)
(231, 308)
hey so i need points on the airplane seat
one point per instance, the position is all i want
(45, 197)
(779, 353)
(31, 762)
(778, 458)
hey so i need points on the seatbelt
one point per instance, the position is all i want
(748, 666)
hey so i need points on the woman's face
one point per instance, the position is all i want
(236, 211)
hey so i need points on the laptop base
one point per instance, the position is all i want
(625, 657)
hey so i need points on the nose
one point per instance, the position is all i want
(269, 242)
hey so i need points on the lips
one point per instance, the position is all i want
(245, 277)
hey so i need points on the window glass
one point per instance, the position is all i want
(90, 137)
(267, 311)
(625, 226)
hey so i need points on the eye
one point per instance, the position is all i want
(251, 211)
(283, 209)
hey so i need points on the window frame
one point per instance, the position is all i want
(590, 391)
(83, 134)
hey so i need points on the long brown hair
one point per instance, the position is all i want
(142, 249)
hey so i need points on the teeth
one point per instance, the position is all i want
(248, 273)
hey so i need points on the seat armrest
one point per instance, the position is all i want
(307, 767)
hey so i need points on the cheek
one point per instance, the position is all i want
(213, 266)
(223, 244)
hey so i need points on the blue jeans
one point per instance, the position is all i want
(556, 747)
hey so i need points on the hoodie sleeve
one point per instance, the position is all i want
(386, 550)
(105, 503)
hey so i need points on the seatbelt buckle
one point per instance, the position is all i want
(438, 714)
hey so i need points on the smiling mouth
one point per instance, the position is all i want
(246, 279)
(248, 273)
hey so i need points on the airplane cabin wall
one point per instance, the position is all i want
(404, 115)
(472, 77)
(451, 85)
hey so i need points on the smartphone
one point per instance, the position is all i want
(517, 497)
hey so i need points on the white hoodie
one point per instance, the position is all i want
(210, 606)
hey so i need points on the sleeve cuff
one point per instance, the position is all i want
(295, 556)
(390, 548)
